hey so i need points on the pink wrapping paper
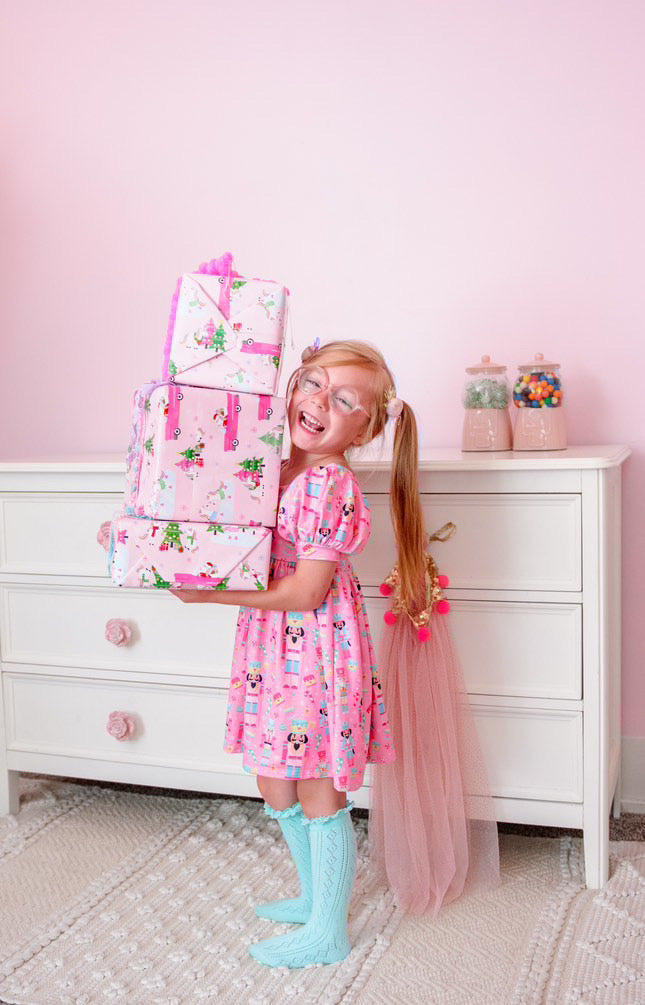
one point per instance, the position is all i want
(204, 454)
(188, 556)
(227, 331)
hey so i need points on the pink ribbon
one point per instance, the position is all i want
(185, 579)
(230, 437)
(222, 266)
(172, 419)
(260, 348)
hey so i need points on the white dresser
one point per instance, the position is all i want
(535, 590)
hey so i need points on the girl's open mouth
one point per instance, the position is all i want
(309, 423)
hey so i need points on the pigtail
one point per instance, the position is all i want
(405, 500)
(406, 510)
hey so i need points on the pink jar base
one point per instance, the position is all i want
(486, 429)
(540, 429)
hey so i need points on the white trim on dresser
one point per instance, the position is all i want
(535, 587)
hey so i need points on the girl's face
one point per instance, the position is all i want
(316, 427)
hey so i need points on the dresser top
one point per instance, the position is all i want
(430, 459)
(454, 459)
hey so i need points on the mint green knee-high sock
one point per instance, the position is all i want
(325, 937)
(295, 910)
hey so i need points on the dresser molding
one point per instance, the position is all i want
(536, 557)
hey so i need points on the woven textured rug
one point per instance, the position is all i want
(151, 900)
(540, 938)
(588, 946)
(113, 896)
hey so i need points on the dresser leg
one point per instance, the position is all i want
(596, 846)
(9, 792)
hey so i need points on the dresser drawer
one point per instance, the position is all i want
(174, 726)
(507, 541)
(65, 626)
(510, 649)
(519, 649)
(54, 533)
(531, 753)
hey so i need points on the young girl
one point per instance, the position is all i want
(306, 709)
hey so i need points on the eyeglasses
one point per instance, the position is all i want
(313, 379)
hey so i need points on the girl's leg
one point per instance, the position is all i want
(319, 798)
(325, 937)
(279, 793)
(281, 803)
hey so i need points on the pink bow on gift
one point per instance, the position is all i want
(222, 266)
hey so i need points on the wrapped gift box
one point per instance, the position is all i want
(180, 555)
(226, 331)
(204, 454)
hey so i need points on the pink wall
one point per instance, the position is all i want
(443, 178)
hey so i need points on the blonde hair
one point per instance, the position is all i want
(405, 500)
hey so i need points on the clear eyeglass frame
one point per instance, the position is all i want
(344, 400)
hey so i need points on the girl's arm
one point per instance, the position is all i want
(305, 590)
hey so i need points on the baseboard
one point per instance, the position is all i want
(632, 784)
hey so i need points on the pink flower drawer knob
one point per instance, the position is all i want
(103, 534)
(120, 725)
(118, 632)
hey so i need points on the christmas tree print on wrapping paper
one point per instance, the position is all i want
(273, 438)
(191, 457)
(172, 538)
(247, 572)
(252, 472)
(185, 540)
(160, 582)
(210, 337)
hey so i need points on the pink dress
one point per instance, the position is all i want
(305, 700)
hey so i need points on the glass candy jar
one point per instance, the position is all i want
(487, 423)
(538, 394)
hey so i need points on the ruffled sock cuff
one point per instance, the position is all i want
(291, 811)
(325, 821)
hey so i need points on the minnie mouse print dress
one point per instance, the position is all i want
(305, 699)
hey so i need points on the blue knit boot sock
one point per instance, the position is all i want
(325, 937)
(295, 910)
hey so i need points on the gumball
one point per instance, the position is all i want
(385, 589)
(389, 618)
(443, 607)
(444, 582)
(424, 633)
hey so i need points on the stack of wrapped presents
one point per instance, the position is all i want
(203, 463)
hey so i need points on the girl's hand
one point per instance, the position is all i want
(194, 596)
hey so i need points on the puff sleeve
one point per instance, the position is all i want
(324, 514)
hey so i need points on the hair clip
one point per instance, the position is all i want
(393, 405)
(310, 350)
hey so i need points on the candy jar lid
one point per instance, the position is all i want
(539, 363)
(486, 366)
